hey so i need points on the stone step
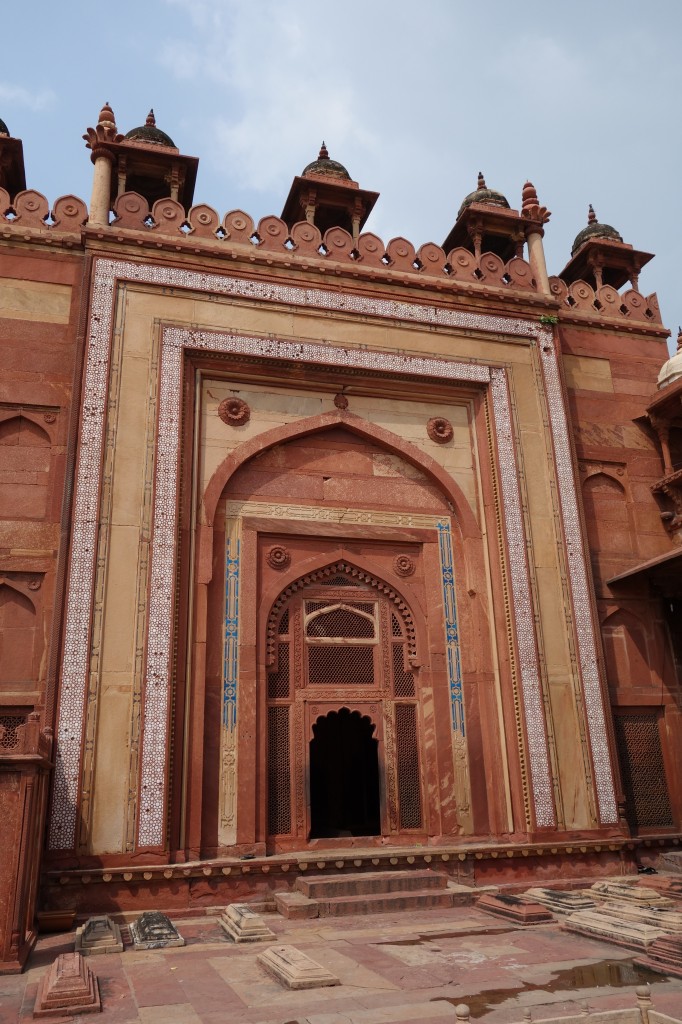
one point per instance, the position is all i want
(385, 902)
(295, 906)
(318, 887)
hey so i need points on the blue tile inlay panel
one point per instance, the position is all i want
(451, 633)
(231, 644)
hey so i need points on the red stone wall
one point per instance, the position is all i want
(611, 378)
(39, 315)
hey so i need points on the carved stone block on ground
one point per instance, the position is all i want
(668, 921)
(241, 924)
(153, 930)
(99, 935)
(560, 901)
(640, 895)
(514, 908)
(294, 969)
(69, 987)
(598, 924)
(664, 955)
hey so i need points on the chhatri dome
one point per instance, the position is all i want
(594, 230)
(148, 132)
(672, 369)
(483, 194)
(4, 130)
(323, 165)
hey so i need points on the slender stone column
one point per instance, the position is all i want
(101, 188)
(99, 140)
(536, 216)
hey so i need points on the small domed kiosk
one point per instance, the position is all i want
(324, 194)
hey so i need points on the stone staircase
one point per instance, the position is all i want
(379, 892)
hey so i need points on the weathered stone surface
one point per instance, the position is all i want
(601, 925)
(153, 930)
(641, 896)
(241, 924)
(69, 987)
(294, 969)
(516, 908)
(99, 935)
(666, 886)
(560, 901)
(664, 955)
(668, 921)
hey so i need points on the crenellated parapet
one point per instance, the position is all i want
(30, 209)
(581, 297)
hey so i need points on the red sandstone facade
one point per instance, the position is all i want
(317, 551)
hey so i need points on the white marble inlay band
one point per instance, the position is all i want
(580, 587)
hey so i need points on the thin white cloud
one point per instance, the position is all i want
(22, 97)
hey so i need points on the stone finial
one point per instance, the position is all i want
(151, 120)
(106, 117)
(591, 215)
(481, 181)
(104, 131)
(324, 152)
(530, 205)
(529, 196)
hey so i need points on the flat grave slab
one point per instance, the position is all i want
(664, 955)
(99, 935)
(640, 895)
(599, 924)
(515, 908)
(68, 988)
(153, 930)
(560, 901)
(241, 924)
(294, 969)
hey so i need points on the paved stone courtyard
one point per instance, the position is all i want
(403, 968)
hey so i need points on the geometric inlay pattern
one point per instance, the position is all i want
(74, 670)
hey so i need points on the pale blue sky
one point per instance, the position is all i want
(580, 96)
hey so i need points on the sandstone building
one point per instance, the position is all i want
(319, 549)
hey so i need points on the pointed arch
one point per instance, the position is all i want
(22, 430)
(316, 568)
(357, 425)
(627, 648)
(13, 585)
(18, 639)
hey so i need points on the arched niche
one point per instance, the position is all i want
(24, 468)
(628, 651)
(606, 515)
(18, 640)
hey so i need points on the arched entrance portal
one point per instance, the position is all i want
(343, 750)
(344, 777)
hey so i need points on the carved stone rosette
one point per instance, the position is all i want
(234, 411)
(278, 557)
(403, 565)
(440, 430)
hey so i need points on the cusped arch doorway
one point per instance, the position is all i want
(344, 744)
(344, 776)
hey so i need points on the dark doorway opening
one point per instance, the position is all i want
(344, 777)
